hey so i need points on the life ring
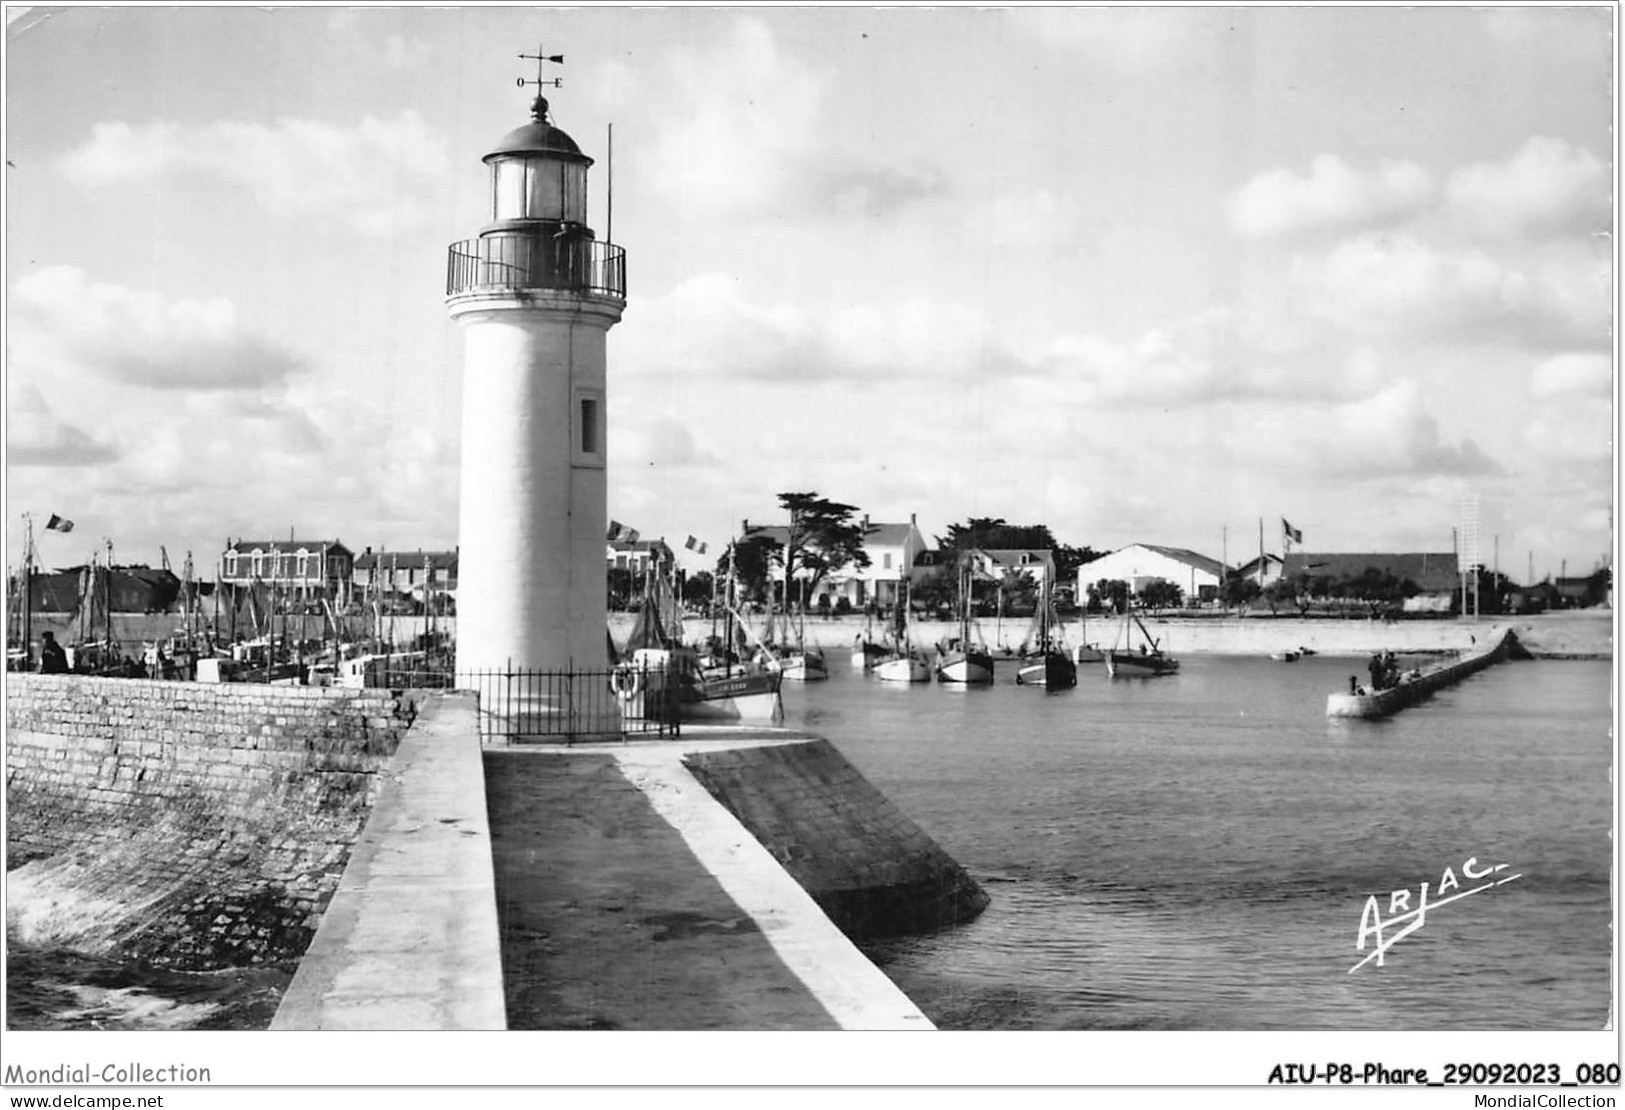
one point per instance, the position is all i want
(627, 682)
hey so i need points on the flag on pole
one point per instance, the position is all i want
(695, 546)
(615, 530)
(59, 524)
(1290, 532)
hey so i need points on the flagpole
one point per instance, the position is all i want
(1261, 554)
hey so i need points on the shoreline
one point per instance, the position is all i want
(1577, 634)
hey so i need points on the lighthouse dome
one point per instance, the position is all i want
(538, 137)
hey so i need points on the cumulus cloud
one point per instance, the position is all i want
(1572, 432)
(62, 318)
(37, 436)
(1402, 284)
(1389, 433)
(748, 134)
(1547, 188)
(1333, 196)
(1129, 40)
(1586, 374)
(378, 175)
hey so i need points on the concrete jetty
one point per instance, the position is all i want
(409, 940)
(602, 886)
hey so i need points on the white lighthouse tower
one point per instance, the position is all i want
(536, 295)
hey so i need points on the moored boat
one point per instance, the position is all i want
(1053, 668)
(659, 682)
(1146, 661)
(960, 660)
(899, 659)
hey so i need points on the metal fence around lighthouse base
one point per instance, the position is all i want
(520, 706)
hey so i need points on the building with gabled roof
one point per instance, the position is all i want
(321, 566)
(1140, 564)
(419, 574)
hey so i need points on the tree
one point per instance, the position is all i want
(823, 538)
(698, 588)
(1161, 594)
(749, 561)
(1241, 591)
(1110, 593)
(996, 534)
(1068, 559)
(1017, 593)
(621, 588)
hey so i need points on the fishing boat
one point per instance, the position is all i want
(961, 660)
(900, 660)
(1146, 661)
(1084, 651)
(794, 660)
(1414, 685)
(867, 653)
(660, 677)
(1049, 665)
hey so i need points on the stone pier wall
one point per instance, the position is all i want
(871, 869)
(190, 824)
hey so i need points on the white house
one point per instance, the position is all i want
(892, 549)
(1141, 564)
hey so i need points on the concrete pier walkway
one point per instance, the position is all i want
(632, 899)
(409, 940)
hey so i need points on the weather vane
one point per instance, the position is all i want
(539, 108)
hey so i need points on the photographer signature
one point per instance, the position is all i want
(1372, 922)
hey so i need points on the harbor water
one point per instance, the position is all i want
(1197, 851)
(1187, 852)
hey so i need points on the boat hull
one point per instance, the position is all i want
(966, 669)
(903, 669)
(868, 655)
(1055, 671)
(803, 667)
(1128, 664)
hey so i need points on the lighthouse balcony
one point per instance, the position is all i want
(503, 263)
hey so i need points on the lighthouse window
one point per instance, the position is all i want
(588, 433)
(589, 425)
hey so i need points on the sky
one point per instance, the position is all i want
(1139, 274)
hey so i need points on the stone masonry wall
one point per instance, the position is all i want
(190, 824)
(868, 866)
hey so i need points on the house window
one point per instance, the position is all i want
(886, 564)
(587, 432)
(231, 565)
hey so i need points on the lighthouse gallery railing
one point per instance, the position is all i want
(501, 262)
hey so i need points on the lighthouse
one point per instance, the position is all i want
(535, 295)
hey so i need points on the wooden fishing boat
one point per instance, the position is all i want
(900, 660)
(1053, 667)
(961, 660)
(1146, 661)
(661, 677)
(1415, 685)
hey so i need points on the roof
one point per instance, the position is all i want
(1178, 554)
(1429, 570)
(285, 545)
(656, 547)
(1018, 556)
(538, 137)
(895, 535)
(440, 560)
